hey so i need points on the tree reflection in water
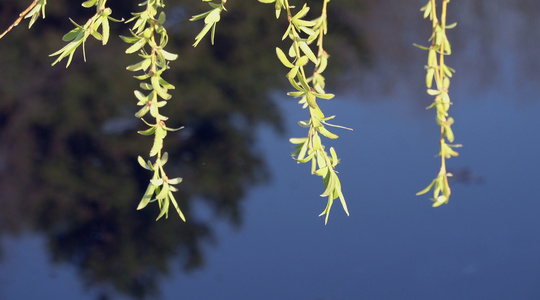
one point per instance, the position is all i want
(68, 157)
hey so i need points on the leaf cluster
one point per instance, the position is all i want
(36, 11)
(438, 71)
(304, 33)
(33, 11)
(160, 185)
(149, 39)
(80, 34)
(211, 18)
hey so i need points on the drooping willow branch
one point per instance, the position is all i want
(309, 87)
(33, 11)
(438, 70)
(149, 39)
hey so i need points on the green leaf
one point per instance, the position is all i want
(142, 112)
(287, 32)
(200, 16)
(317, 145)
(201, 34)
(89, 3)
(167, 55)
(296, 94)
(163, 192)
(164, 158)
(297, 140)
(327, 210)
(302, 12)
(137, 46)
(172, 129)
(302, 61)
(303, 150)
(330, 184)
(130, 39)
(97, 35)
(283, 58)
(162, 92)
(142, 65)
(302, 160)
(449, 133)
(161, 18)
(325, 96)
(292, 74)
(157, 181)
(176, 180)
(146, 86)
(164, 209)
(421, 47)
(451, 25)
(158, 141)
(148, 131)
(279, 5)
(105, 29)
(147, 196)
(427, 9)
(76, 32)
(429, 77)
(165, 84)
(173, 200)
(433, 92)
(341, 197)
(295, 84)
(327, 133)
(213, 16)
(311, 100)
(427, 188)
(140, 96)
(304, 123)
(312, 34)
(305, 48)
(143, 163)
(335, 159)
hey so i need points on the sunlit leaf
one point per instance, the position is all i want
(173, 200)
(147, 196)
(283, 58)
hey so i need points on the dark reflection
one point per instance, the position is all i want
(68, 154)
(466, 175)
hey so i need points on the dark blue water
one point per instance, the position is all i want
(483, 245)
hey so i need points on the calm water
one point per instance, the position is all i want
(483, 245)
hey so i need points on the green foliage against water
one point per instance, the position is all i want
(437, 70)
(310, 87)
(70, 150)
(148, 39)
(306, 59)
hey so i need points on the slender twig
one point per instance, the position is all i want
(441, 76)
(19, 19)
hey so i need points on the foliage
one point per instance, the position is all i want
(155, 61)
(33, 12)
(308, 89)
(438, 70)
(80, 34)
(149, 38)
(69, 135)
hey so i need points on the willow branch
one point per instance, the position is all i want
(19, 19)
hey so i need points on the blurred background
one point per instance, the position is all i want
(70, 182)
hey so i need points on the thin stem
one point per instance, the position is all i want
(441, 74)
(19, 19)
